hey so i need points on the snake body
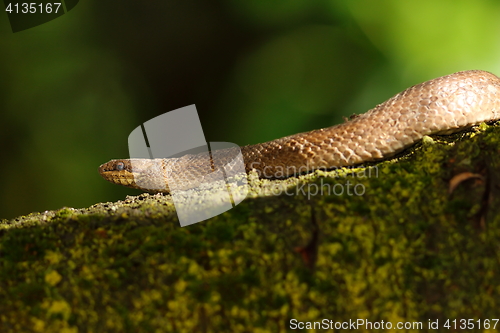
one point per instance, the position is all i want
(439, 106)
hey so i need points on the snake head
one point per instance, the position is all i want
(118, 172)
(142, 174)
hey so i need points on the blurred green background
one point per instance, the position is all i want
(73, 88)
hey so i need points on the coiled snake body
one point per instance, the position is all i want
(439, 106)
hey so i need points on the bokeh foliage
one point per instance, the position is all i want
(73, 88)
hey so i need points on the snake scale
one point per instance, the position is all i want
(440, 106)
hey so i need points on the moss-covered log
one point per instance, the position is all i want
(411, 239)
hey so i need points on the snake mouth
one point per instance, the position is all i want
(120, 177)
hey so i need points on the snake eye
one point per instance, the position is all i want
(120, 166)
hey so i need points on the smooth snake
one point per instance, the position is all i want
(440, 106)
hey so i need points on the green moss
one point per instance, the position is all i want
(405, 249)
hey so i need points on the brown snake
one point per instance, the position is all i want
(439, 106)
